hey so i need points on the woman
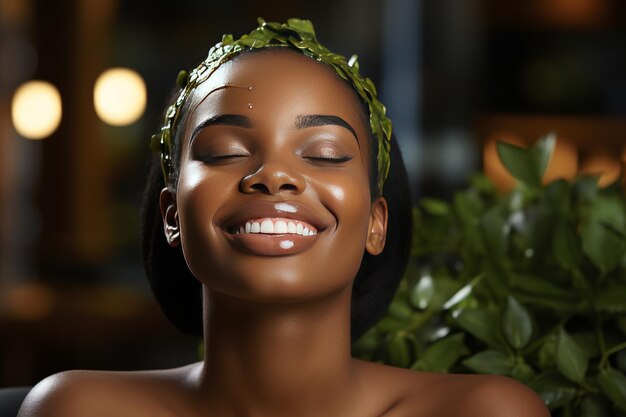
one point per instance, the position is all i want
(271, 197)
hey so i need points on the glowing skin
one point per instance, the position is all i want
(234, 158)
(292, 150)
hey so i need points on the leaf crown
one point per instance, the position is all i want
(297, 34)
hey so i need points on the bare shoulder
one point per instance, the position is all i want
(500, 396)
(416, 394)
(478, 395)
(100, 393)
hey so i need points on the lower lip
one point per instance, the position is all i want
(271, 245)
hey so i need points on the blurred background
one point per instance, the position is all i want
(83, 84)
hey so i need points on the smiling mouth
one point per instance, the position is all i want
(275, 226)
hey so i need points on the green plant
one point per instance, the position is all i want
(530, 284)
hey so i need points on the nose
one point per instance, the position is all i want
(273, 178)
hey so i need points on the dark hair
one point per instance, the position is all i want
(179, 293)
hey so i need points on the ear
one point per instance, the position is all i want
(169, 212)
(377, 228)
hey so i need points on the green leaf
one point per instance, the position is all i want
(541, 152)
(533, 227)
(483, 184)
(435, 207)
(539, 285)
(302, 25)
(571, 359)
(554, 390)
(482, 324)
(566, 245)
(591, 406)
(390, 324)
(516, 324)
(459, 296)
(523, 372)
(400, 310)
(547, 353)
(398, 351)
(440, 356)
(613, 383)
(611, 210)
(586, 188)
(468, 207)
(422, 292)
(444, 287)
(602, 244)
(490, 362)
(603, 232)
(612, 299)
(588, 342)
(527, 165)
(557, 196)
(468, 204)
(496, 231)
(563, 307)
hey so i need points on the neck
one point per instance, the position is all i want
(277, 359)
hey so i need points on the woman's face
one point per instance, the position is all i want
(273, 200)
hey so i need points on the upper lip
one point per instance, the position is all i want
(267, 209)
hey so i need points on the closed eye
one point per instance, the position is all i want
(222, 158)
(331, 160)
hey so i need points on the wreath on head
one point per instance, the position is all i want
(296, 34)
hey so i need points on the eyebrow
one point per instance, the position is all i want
(302, 122)
(222, 119)
(313, 120)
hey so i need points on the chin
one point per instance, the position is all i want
(277, 280)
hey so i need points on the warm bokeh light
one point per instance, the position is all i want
(29, 302)
(563, 164)
(574, 12)
(119, 96)
(606, 166)
(36, 109)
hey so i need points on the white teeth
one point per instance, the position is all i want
(280, 227)
(267, 226)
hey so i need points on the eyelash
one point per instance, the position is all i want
(328, 160)
(314, 159)
(219, 158)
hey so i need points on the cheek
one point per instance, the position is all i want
(193, 198)
(198, 198)
(348, 198)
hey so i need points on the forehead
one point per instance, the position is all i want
(280, 81)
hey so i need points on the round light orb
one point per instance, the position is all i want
(36, 109)
(119, 96)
